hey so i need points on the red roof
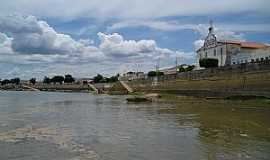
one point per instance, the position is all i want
(243, 44)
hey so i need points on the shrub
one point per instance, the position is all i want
(181, 69)
(209, 62)
(46, 80)
(15, 81)
(154, 73)
(159, 73)
(5, 82)
(57, 79)
(189, 68)
(151, 74)
(69, 79)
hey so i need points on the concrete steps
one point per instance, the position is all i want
(31, 88)
(128, 88)
(93, 87)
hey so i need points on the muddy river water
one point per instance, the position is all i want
(81, 126)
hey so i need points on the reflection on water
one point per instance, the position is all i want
(79, 126)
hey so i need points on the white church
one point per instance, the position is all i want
(229, 52)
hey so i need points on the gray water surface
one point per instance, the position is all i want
(81, 126)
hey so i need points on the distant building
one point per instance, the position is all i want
(133, 75)
(85, 80)
(230, 52)
(173, 70)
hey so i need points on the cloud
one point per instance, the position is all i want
(220, 34)
(86, 42)
(115, 45)
(5, 44)
(33, 36)
(153, 24)
(174, 25)
(198, 44)
(126, 9)
(34, 42)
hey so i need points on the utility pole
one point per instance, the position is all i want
(157, 66)
(176, 64)
(156, 79)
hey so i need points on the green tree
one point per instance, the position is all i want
(154, 73)
(181, 69)
(33, 81)
(189, 68)
(151, 74)
(57, 79)
(15, 81)
(209, 62)
(98, 78)
(69, 79)
(113, 79)
(158, 73)
(5, 82)
(46, 80)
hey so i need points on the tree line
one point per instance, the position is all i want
(59, 79)
(14, 81)
(101, 79)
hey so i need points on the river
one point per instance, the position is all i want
(81, 126)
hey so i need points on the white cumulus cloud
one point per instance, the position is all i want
(34, 41)
(5, 44)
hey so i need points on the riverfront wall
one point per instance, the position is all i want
(62, 87)
(250, 78)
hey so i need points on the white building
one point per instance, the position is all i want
(132, 75)
(173, 70)
(232, 52)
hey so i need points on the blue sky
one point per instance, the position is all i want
(83, 38)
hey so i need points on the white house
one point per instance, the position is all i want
(230, 52)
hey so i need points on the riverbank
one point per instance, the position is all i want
(48, 87)
(190, 100)
(218, 82)
(244, 101)
(213, 83)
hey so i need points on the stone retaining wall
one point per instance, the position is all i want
(229, 80)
